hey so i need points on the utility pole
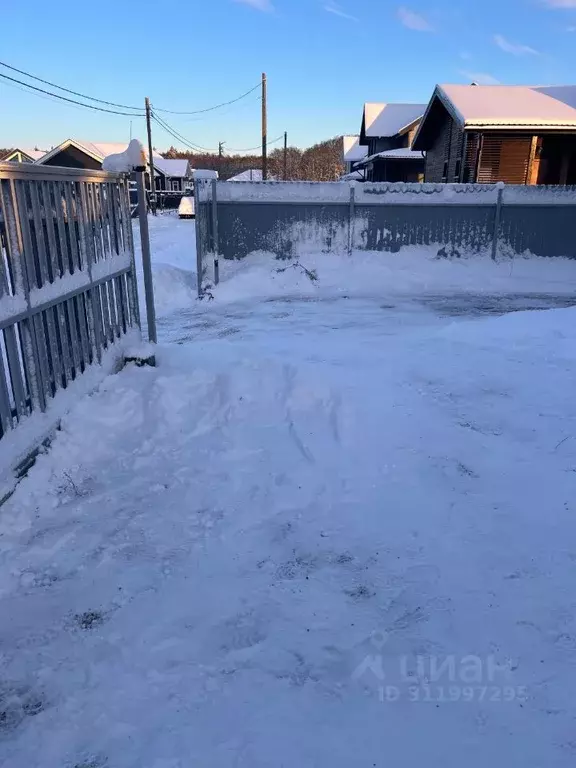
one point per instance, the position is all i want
(150, 161)
(264, 130)
(285, 155)
(221, 149)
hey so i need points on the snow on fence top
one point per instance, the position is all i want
(386, 193)
(540, 195)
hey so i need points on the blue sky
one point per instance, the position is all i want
(323, 59)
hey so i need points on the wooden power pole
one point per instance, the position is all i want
(264, 130)
(150, 161)
(285, 155)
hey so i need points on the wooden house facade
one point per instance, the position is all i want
(388, 132)
(486, 134)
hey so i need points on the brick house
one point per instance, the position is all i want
(387, 132)
(491, 133)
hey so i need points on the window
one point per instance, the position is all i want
(457, 170)
(445, 172)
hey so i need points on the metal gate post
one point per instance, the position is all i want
(215, 245)
(197, 207)
(351, 218)
(146, 262)
(497, 219)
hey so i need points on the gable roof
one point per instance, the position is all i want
(352, 150)
(502, 106)
(385, 120)
(172, 167)
(33, 154)
(96, 150)
(252, 174)
(517, 105)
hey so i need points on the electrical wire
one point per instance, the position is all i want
(210, 109)
(71, 101)
(137, 110)
(178, 136)
(67, 90)
(252, 149)
(195, 147)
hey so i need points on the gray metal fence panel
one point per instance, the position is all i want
(544, 230)
(67, 280)
(287, 219)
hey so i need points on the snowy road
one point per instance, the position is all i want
(321, 534)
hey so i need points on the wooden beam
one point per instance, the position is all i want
(533, 169)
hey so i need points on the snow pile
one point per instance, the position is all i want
(413, 270)
(173, 253)
(124, 162)
(344, 521)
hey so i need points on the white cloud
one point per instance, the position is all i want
(482, 78)
(337, 11)
(516, 49)
(261, 5)
(560, 3)
(414, 20)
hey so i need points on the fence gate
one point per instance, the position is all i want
(68, 296)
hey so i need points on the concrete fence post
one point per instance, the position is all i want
(497, 220)
(215, 244)
(352, 218)
(146, 260)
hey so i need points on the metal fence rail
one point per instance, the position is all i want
(67, 280)
(285, 218)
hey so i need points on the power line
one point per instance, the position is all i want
(137, 110)
(67, 90)
(210, 109)
(178, 136)
(70, 101)
(253, 149)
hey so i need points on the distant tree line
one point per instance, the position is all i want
(322, 162)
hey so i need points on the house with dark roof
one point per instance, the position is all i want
(491, 133)
(387, 133)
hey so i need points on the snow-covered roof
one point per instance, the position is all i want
(352, 176)
(97, 150)
(249, 175)
(33, 154)
(352, 151)
(521, 106)
(403, 153)
(172, 168)
(390, 119)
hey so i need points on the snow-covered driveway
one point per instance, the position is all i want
(321, 534)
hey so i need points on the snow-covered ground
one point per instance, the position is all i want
(324, 532)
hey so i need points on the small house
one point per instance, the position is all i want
(387, 133)
(74, 153)
(178, 173)
(491, 133)
(17, 155)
